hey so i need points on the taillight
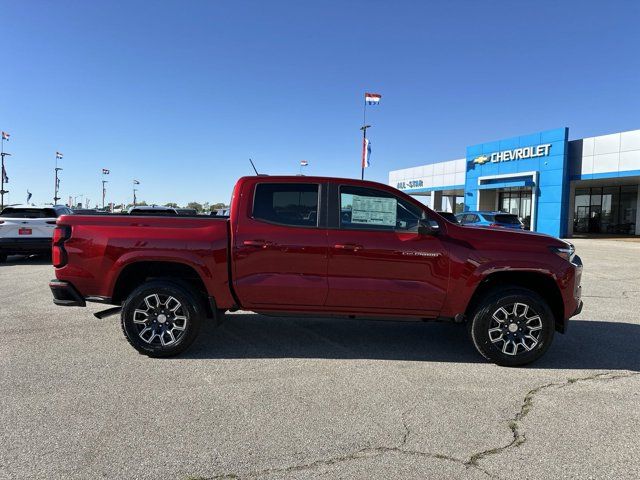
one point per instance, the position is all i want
(58, 253)
(1, 222)
(60, 234)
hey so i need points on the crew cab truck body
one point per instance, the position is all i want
(321, 246)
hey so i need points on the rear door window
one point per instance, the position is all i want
(294, 204)
(508, 219)
(469, 218)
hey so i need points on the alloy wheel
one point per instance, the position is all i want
(160, 320)
(515, 328)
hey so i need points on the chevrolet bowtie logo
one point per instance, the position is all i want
(481, 159)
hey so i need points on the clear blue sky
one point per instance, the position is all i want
(179, 94)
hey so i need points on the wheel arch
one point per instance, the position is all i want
(134, 274)
(541, 283)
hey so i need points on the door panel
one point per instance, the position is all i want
(378, 260)
(278, 264)
(387, 270)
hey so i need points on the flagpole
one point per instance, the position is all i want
(2, 173)
(364, 134)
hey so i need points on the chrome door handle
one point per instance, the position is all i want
(257, 243)
(348, 246)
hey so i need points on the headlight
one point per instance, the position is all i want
(565, 252)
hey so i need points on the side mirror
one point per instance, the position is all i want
(428, 227)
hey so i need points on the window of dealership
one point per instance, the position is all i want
(588, 186)
(610, 209)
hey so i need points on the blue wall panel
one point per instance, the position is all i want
(553, 181)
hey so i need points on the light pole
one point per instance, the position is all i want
(56, 186)
(3, 172)
(104, 191)
(135, 182)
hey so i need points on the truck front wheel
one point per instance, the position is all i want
(512, 326)
(161, 318)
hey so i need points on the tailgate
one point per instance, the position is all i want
(27, 227)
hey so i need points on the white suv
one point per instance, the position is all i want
(28, 229)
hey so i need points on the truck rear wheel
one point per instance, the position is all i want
(161, 318)
(512, 327)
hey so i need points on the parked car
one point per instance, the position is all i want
(89, 211)
(154, 210)
(490, 219)
(158, 210)
(186, 211)
(449, 216)
(26, 229)
(290, 247)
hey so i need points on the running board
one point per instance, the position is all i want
(107, 313)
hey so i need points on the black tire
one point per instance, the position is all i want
(528, 335)
(168, 334)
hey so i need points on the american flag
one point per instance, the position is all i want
(136, 182)
(58, 155)
(304, 163)
(5, 136)
(105, 171)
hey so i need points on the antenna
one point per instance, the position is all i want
(254, 167)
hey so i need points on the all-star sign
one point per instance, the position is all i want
(516, 154)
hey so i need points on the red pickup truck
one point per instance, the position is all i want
(323, 247)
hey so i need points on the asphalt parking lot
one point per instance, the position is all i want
(305, 398)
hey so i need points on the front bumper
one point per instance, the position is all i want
(65, 294)
(578, 309)
(25, 245)
(573, 300)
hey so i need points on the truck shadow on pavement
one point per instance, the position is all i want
(594, 345)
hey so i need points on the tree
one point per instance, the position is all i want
(195, 205)
(171, 204)
(217, 206)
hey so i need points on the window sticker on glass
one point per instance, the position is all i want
(374, 210)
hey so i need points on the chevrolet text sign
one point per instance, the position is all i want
(516, 154)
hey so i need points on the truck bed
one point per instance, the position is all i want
(101, 246)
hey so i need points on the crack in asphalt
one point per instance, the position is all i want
(519, 437)
(367, 452)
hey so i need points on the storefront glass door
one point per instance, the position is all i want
(516, 200)
(609, 210)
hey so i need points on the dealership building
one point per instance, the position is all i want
(554, 185)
